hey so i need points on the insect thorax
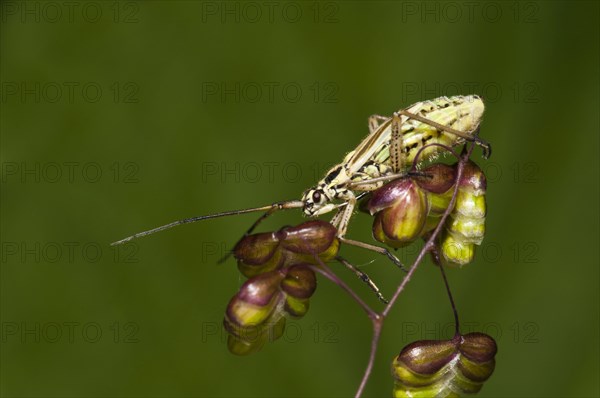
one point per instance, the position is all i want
(336, 184)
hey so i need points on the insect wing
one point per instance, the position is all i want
(369, 147)
(376, 145)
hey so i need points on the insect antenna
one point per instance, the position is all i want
(292, 204)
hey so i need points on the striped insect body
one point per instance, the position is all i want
(393, 144)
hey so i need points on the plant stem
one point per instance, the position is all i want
(379, 318)
(323, 270)
(377, 326)
(457, 329)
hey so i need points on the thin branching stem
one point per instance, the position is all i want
(377, 326)
(455, 312)
(429, 245)
(327, 273)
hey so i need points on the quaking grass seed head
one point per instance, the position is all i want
(408, 208)
(465, 227)
(400, 209)
(439, 188)
(264, 252)
(444, 368)
(257, 313)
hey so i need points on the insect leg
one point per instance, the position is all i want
(363, 277)
(376, 249)
(374, 122)
(335, 220)
(343, 219)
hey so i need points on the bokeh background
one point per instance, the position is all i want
(121, 116)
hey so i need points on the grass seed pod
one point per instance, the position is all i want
(256, 314)
(264, 252)
(444, 368)
(400, 208)
(465, 226)
(408, 208)
(439, 186)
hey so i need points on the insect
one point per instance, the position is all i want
(392, 143)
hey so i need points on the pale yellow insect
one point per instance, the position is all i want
(392, 143)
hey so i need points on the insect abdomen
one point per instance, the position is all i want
(463, 113)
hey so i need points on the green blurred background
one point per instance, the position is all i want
(121, 116)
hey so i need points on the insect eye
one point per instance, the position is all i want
(316, 197)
